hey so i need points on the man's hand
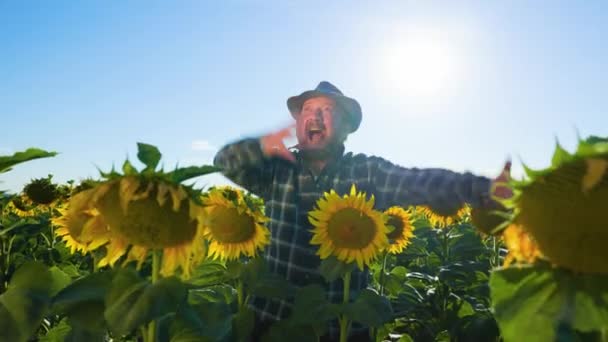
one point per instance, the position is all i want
(484, 217)
(273, 146)
(500, 190)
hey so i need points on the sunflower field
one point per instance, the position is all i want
(138, 255)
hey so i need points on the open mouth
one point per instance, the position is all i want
(315, 131)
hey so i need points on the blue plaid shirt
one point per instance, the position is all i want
(290, 191)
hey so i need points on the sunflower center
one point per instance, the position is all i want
(396, 224)
(351, 228)
(229, 226)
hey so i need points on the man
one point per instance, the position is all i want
(291, 182)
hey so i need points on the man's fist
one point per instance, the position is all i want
(500, 190)
(273, 146)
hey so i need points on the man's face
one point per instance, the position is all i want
(319, 124)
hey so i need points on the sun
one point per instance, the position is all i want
(420, 63)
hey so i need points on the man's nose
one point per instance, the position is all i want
(319, 114)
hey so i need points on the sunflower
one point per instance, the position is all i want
(139, 213)
(563, 207)
(20, 206)
(441, 220)
(234, 225)
(42, 190)
(348, 227)
(133, 217)
(522, 248)
(400, 222)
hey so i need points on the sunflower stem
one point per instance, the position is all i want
(382, 275)
(496, 248)
(344, 321)
(239, 293)
(155, 276)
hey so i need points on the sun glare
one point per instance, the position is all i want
(420, 64)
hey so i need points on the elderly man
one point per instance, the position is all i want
(291, 182)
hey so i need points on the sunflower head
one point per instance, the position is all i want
(400, 227)
(41, 190)
(442, 220)
(522, 247)
(563, 207)
(136, 212)
(348, 227)
(22, 206)
(234, 224)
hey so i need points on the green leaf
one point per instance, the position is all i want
(253, 271)
(185, 173)
(406, 338)
(25, 303)
(370, 309)
(333, 269)
(6, 162)
(60, 280)
(217, 293)
(408, 300)
(83, 302)
(272, 286)
(58, 333)
(149, 155)
(532, 301)
(297, 333)
(132, 301)
(242, 323)
(204, 322)
(311, 306)
(465, 309)
(209, 273)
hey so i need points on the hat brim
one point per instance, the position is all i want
(350, 106)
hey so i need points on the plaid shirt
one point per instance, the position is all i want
(290, 191)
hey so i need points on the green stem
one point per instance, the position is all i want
(445, 245)
(239, 293)
(155, 276)
(382, 276)
(52, 228)
(496, 251)
(344, 321)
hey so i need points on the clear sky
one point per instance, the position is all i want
(454, 84)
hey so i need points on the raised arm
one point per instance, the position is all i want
(444, 191)
(244, 163)
(250, 162)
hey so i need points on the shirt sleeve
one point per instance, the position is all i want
(444, 191)
(244, 163)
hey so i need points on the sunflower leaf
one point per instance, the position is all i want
(369, 308)
(25, 303)
(132, 301)
(83, 302)
(296, 333)
(333, 269)
(203, 322)
(311, 306)
(534, 301)
(184, 173)
(243, 323)
(149, 155)
(6, 162)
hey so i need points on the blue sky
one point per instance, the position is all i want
(460, 85)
